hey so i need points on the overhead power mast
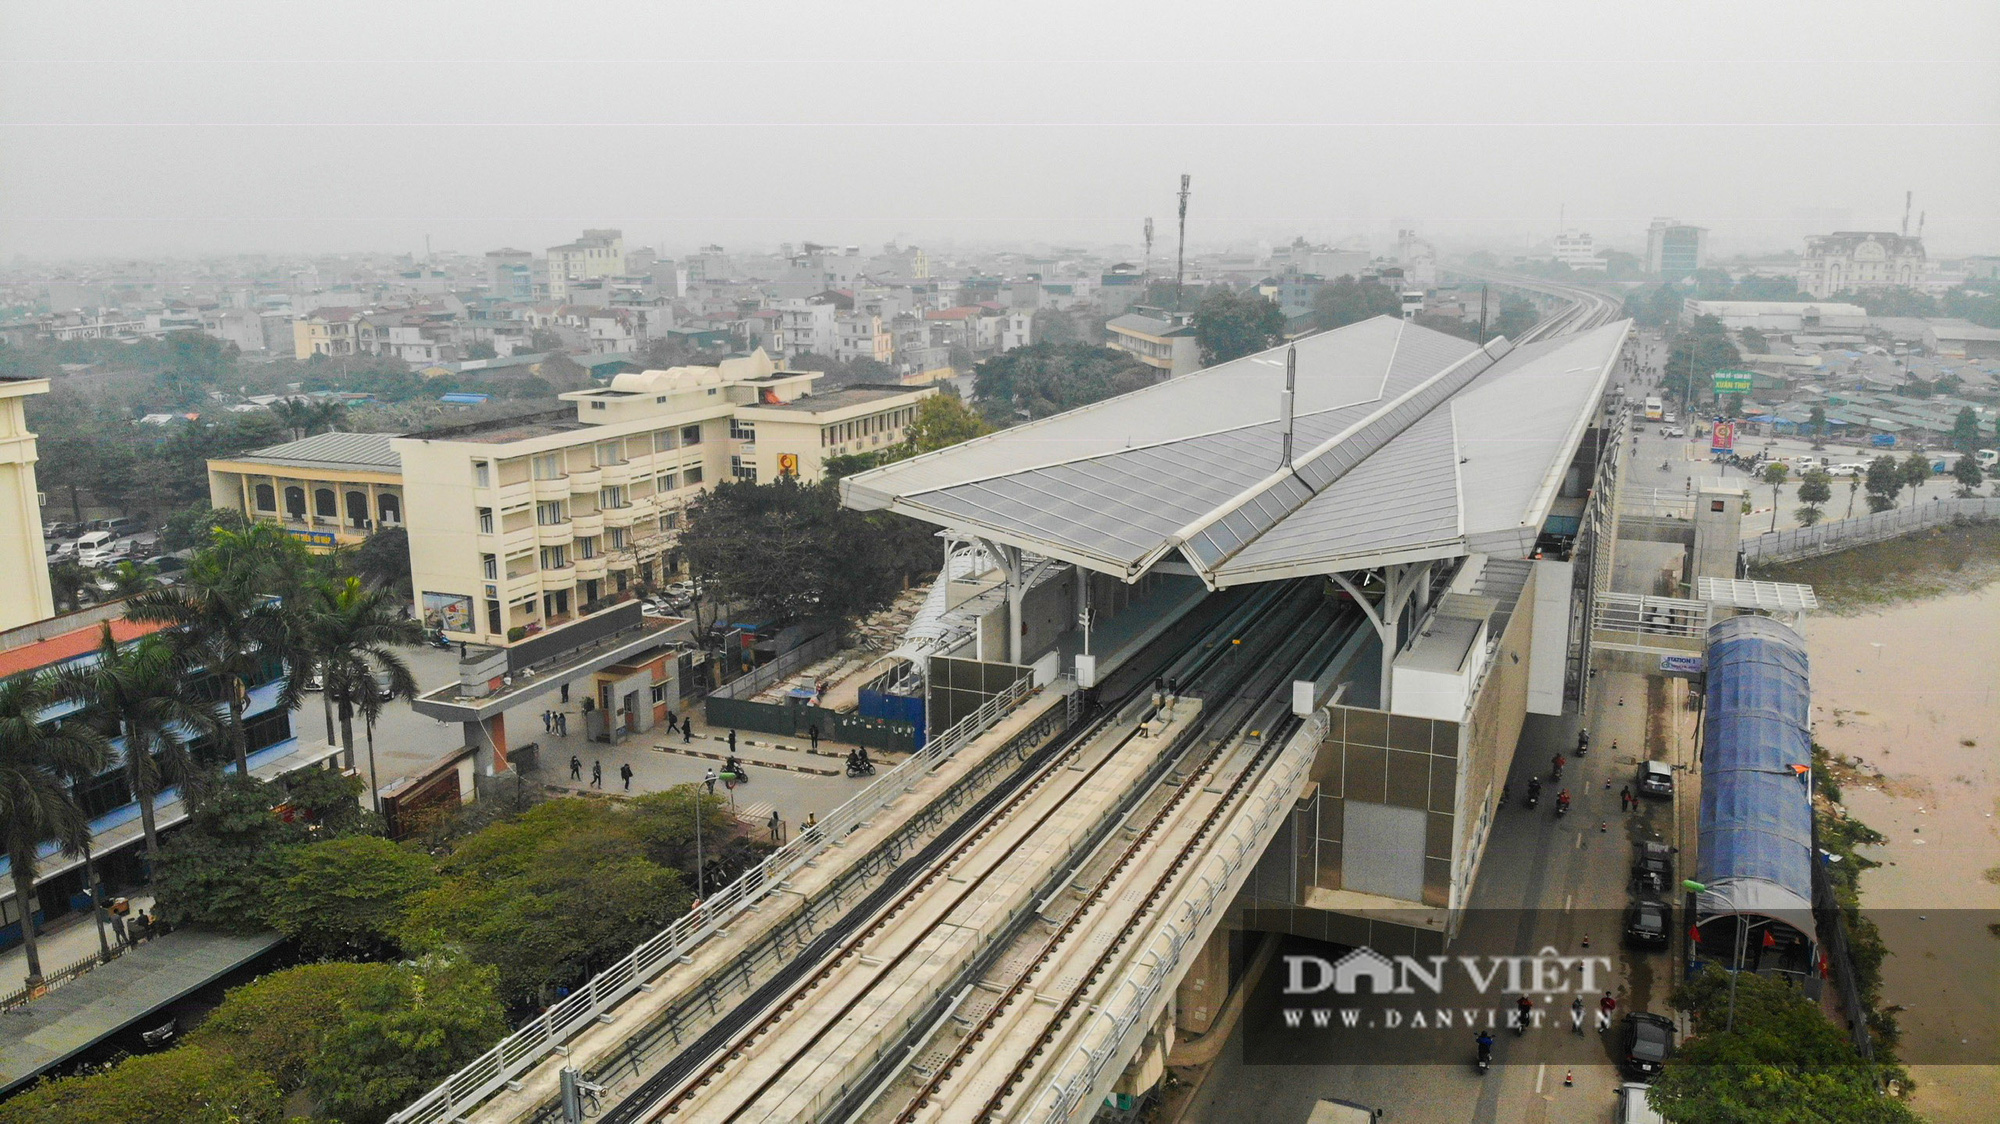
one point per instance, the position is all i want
(1180, 254)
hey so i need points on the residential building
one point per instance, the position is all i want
(24, 597)
(329, 490)
(522, 526)
(1575, 249)
(1952, 338)
(806, 325)
(1674, 250)
(327, 331)
(1845, 260)
(1157, 338)
(862, 335)
(241, 326)
(1121, 287)
(1017, 329)
(510, 274)
(599, 253)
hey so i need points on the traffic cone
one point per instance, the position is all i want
(1569, 1079)
(1603, 825)
(1586, 940)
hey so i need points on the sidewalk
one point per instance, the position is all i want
(65, 941)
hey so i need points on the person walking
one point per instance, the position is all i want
(732, 743)
(1605, 1007)
(565, 692)
(708, 779)
(812, 732)
(777, 827)
(687, 731)
(548, 721)
(562, 724)
(575, 767)
(1625, 798)
(673, 723)
(625, 774)
(597, 774)
(118, 927)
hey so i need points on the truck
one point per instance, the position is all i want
(1988, 458)
(1654, 408)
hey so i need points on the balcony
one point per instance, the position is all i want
(555, 534)
(529, 581)
(619, 473)
(511, 494)
(556, 489)
(624, 515)
(588, 569)
(588, 523)
(585, 479)
(518, 539)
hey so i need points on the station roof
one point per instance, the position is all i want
(1408, 444)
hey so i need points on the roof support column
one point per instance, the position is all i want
(1399, 583)
(1009, 560)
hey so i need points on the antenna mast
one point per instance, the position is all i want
(1149, 247)
(1908, 198)
(1180, 255)
(1285, 400)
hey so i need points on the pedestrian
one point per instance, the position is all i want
(562, 724)
(1625, 798)
(732, 743)
(597, 774)
(687, 730)
(118, 927)
(565, 692)
(777, 825)
(812, 732)
(673, 723)
(1605, 1007)
(625, 774)
(548, 721)
(708, 779)
(143, 927)
(575, 767)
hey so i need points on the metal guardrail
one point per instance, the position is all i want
(537, 1039)
(1840, 534)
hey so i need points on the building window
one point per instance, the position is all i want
(660, 693)
(742, 430)
(493, 618)
(325, 504)
(597, 405)
(390, 509)
(267, 498)
(555, 557)
(485, 520)
(357, 509)
(666, 482)
(549, 466)
(611, 452)
(549, 513)
(741, 471)
(491, 564)
(482, 474)
(671, 521)
(617, 538)
(691, 434)
(586, 547)
(611, 497)
(691, 475)
(663, 441)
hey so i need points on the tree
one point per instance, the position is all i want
(1516, 316)
(347, 896)
(789, 551)
(37, 803)
(1229, 325)
(67, 582)
(128, 579)
(219, 868)
(194, 526)
(1807, 516)
(187, 1085)
(1697, 353)
(1817, 420)
(1815, 488)
(1968, 474)
(351, 632)
(481, 350)
(940, 423)
(1052, 325)
(1347, 301)
(1774, 474)
(1965, 431)
(143, 692)
(295, 414)
(1884, 483)
(1051, 378)
(228, 623)
(1754, 341)
(1448, 324)
(1916, 473)
(1783, 1060)
(383, 561)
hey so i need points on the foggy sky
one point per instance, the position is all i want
(219, 127)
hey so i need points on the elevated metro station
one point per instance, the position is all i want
(1447, 490)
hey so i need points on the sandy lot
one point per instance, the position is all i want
(1913, 691)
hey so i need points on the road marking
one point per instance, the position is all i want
(1579, 840)
(1541, 1074)
(1568, 901)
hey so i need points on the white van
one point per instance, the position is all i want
(1632, 1106)
(95, 540)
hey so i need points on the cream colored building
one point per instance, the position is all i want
(524, 525)
(329, 490)
(25, 596)
(326, 331)
(599, 253)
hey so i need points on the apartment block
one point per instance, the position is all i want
(26, 597)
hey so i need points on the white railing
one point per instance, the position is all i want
(1658, 616)
(582, 1009)
(1839, 534)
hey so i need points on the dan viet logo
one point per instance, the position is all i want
(1445, 992)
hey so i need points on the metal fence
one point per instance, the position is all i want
(583, 1008)
(763, 675)
(53, 980)
(1840, 534)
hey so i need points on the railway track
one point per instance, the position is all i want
(763, 1061)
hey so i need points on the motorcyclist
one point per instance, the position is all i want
(1535, 787)
(1562, 800)
(1556, 764)
(1582, 742)
(1523, 1005)
(1485, 1041)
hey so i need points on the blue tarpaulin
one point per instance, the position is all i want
(1756, 810)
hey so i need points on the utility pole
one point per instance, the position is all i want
(1483, 286)
(1909, 197)
(1180, 255)
(1149, 249)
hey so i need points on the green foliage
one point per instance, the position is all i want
(1967, 473)
(834, 468)
(663, 823)
(1229, 325)
(1052, 325)
(219, 868)
(1049, 378)
(1697, 353)
(1784, 1060)
(194, 526)
(38, 765)
(1916, 472)
(1815, 487)
(789, 551)
(383, 560)
(277, 1023)
(1516, 315)
(1347, 301)
(1656, 307)
(1889, 300)
(1774, 474)
(941, 422)
(346, 896)
(548, 897)
(1965, 431)
(1817, 421)
(188, 1085)
(1448, 324)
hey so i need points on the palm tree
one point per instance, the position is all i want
(295, 414)
(352, 631)
(144, 692)
(37, 802)
(231, 616)
(327, 415)
(67, 581)
(128, 579)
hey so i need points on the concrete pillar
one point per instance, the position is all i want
(1718, 532)
(1012, 556)
(1205, 988)
(1083, 605)
(488, 738)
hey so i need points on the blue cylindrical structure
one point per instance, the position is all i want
(1756, 803)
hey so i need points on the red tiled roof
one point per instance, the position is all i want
(69, 645)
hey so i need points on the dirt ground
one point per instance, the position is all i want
(1911, 690)
(1943, 561)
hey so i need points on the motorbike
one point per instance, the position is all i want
(1521, 1021)
(1485, 1051)
(436, 639)
(1534, 796)
(1556, 771)
(858, 768)
(1562, 806)
(1582, 742)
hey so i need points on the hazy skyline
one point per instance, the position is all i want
(215, 128)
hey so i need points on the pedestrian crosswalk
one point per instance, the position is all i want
(758, 813)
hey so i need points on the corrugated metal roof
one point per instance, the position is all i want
(1192, 465)
(361, 452)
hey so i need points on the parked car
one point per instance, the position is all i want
(95, 540)
(1649, 1042)
(1656, 778)
(1633, 1108)
(1653, 865)
(98, 557)
(1649, 924)
(119, 527)
(1844, 470)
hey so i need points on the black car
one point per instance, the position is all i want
(1653, 866)
(1649, 1042)
(1649, 924)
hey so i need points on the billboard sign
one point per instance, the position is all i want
(1722, 436)
(314, 538)
(451, 612)
(1732, 382)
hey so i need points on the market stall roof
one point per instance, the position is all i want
(1408, 444)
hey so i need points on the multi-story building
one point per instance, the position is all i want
(511, 274)
(1675, 250)
(862, 335)
(599, 253)
(330, 490)
(1017, 329)
(1576, 249)
(24, 597)
(523, 525)
(1156, 338)
(1853, 259)
(806, 325)
(327, 331)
